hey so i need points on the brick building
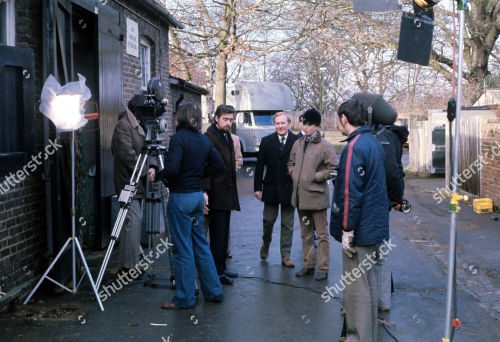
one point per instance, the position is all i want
(490, 151)
(118, 45)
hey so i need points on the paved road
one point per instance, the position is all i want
(268, 303)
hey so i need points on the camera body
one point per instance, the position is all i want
(149, 108)
(151, 105)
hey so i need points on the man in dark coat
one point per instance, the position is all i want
(220, 191)
(360, 220)
(276, 187)
(392, 139)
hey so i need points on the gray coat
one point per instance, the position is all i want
(310, 169)
(126, 145)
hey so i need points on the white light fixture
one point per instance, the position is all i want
(64, 107)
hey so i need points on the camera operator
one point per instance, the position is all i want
(126, 145)
(190, 158)
(392, 139)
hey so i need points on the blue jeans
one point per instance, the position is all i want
(185, 219)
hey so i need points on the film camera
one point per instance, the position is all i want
(150, 107)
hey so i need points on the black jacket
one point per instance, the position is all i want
(191, 156)
(276, 185)
(392, 139)
(221, 187)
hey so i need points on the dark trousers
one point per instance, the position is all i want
(219, 234)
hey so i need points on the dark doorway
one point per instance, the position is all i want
(85, 62)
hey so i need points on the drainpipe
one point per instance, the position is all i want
(47, 6)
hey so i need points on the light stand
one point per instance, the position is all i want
(451, 305)
(64, 107)
(75, 245)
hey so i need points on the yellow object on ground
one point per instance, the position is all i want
(483, 205)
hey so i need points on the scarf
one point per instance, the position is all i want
(311, 137)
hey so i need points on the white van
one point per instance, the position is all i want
(255, 104)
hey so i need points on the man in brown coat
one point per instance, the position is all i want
(126, 145)
(311, 164)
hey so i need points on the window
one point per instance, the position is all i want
(16, 109)
(7, 23)
(263, 118)
(247, 119)
(145, 56)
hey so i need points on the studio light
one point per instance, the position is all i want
(64, 107)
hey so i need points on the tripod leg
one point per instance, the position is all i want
(48, 270)
(114, 236)
(89, 274)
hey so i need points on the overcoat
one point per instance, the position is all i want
(310, 167)
(126, 145)
(276, 185)
(221, 188)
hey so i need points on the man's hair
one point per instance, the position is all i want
(288, 118)
(354, 111)
(189, 116)
(224, 109)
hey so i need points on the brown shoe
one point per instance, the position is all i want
(264, 252)
(285, 261)
(169, 305)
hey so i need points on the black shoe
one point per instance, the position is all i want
(321, 276)
(215, 299)
(304, 272)
(225, 280)
(231, 274)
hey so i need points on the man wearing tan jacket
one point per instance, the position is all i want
(311, 164)
(126, 145)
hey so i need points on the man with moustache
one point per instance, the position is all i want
(220, 191)
(275, 188)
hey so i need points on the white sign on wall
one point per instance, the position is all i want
(132, 38)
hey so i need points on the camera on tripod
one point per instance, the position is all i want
(150, 107)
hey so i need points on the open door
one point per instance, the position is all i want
(111, 104)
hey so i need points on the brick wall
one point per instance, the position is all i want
(189, 96)
(22, 208)
(490, 150)
(131, 64)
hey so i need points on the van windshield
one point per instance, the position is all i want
(263, 119)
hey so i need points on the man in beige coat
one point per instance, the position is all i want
(311, 164)
(126, 146)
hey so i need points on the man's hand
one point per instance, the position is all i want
(205, 207)
(151, 174)
(258, 194)
(347, 247)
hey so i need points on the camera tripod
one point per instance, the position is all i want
(154, 196)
